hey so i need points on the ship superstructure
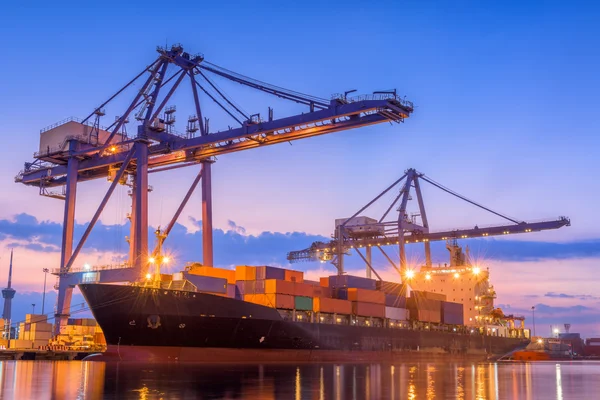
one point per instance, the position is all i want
(461, 282)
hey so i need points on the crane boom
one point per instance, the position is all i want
(320, 251)
(170, 149)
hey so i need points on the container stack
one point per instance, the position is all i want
(452, 313)
(207, 284)
(426, 306)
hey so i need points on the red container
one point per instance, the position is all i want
(332, 306)
(419, 303)
(279, 287)
(303, 289)
(366, 296)
(368, 309)
(320, 291)
(324, 282)
(428, 295)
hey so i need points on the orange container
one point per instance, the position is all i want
(366, 296)
(280, 287)
(215, 273)
(368, 309)
(245, 273)
(303, 289)
(324, 281)
(332, 305)
(294, 276)
(283, 301)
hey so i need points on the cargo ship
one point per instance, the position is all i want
(269, 314)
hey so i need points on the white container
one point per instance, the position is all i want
(398, 314)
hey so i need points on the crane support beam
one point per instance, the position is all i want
(203, 147)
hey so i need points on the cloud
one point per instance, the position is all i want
(571, 296)
(234, 245)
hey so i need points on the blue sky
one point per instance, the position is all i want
(505, 95)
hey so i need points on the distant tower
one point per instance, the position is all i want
(8, 293)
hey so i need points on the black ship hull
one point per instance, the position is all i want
(156, 324)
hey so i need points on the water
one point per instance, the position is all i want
(96, 380)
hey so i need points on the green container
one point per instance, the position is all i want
(303, 303)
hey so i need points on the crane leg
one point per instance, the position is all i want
(132, 224)
(64, 291)
(207, 230)
(428, 254)
(140, 250)
(369, 261)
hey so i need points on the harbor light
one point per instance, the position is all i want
(456, 275)
(410, 273)
(86, 266)
(148, 276)
(476, 270)
(151, 260)
(428, 277)
(540, 341)
(165, 259)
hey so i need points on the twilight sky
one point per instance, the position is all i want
(505, 95)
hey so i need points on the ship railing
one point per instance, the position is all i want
(94, 268)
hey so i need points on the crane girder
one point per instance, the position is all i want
(173, 149)
(319, 249)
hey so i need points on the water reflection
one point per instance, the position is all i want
(85, 380)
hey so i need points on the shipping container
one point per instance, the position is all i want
(424, 304)
(166, 277)
(398, 314)
(207, 283)
(425, 316)
(303, 303)
(228, 274)
(349, 281)
(272, 300)
(303, 289)
(35, 318)
(279, 286)
(324, 281)
(294, 276)
(366, 296)
(250, 287)
(231, 290)
(41, 327)
(41, 336)
(340, 293)
(99, 338)
(311, 282)
(368, 309)
(266, 272)
(428, 295)
(320, 291)
(393, 300)
(245, 273)
(452, 313)
(390, 287)
(333, 306)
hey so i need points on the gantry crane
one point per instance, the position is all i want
(356, 232)
(74, 150)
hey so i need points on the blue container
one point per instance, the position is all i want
(350, 281)
(207, 283)
(270, 273)
(452, 313)
(389, 287)
(340, 293)
(250, 287)
(231, 290)
(393, 300)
